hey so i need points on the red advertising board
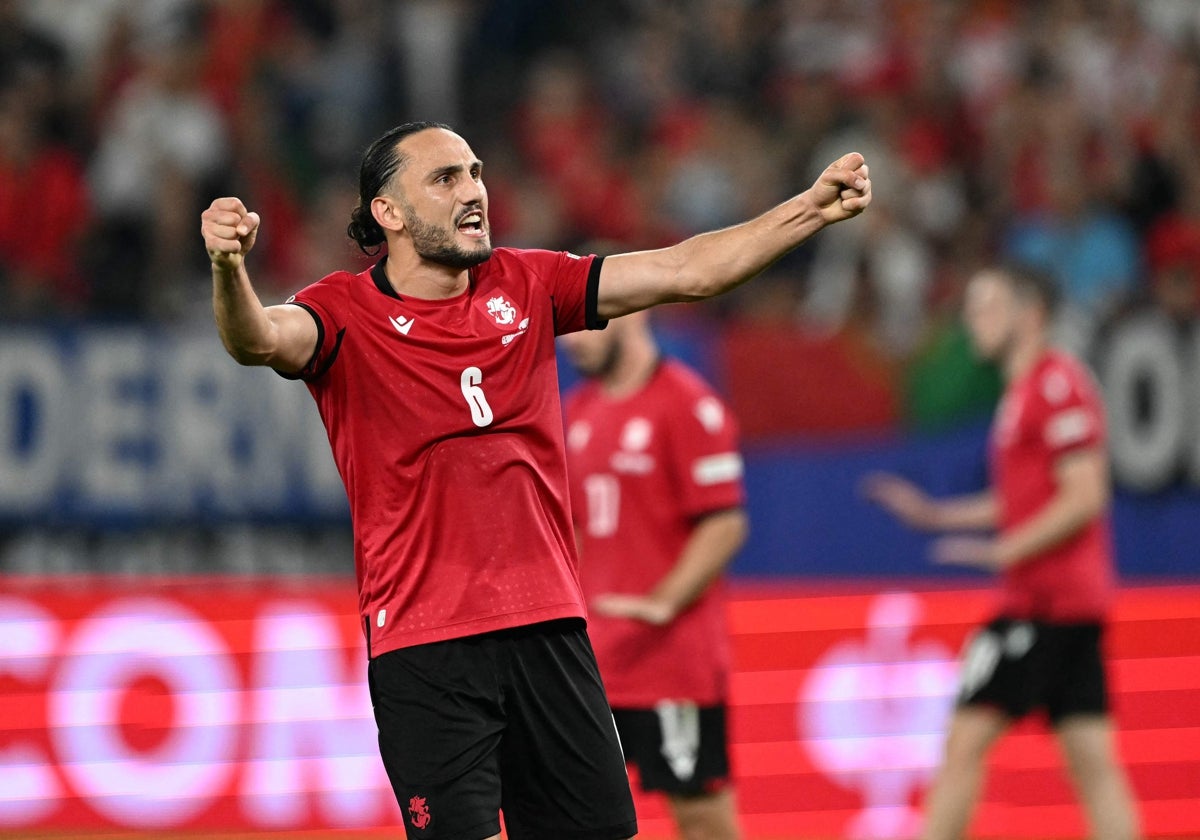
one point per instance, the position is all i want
(240, 704)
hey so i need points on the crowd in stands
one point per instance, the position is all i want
(1055, 131)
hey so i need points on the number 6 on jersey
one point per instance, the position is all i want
(481, 412)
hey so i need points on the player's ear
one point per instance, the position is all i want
(386, 211)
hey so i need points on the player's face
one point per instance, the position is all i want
(444, 199)
(593, 352)
(990, 312)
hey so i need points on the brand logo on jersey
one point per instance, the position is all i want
(710, 413)
(418, 812)
(578, 435)
(503, 311)
(402, 324)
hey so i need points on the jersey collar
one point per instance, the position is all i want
(379, 275)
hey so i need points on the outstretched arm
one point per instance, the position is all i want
(913, 507)
(713, 263)
(283, 337)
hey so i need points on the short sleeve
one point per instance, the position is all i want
(574, 285)
(708, 463)
(325, 301)
(1071, 411)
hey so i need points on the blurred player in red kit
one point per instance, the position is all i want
(434, 374)
(656, 489)
(1048, 504)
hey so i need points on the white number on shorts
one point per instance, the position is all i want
(603, 504)
(680, 722)
(979, 663)
(481, 412)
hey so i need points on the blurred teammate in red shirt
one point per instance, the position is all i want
(1048, 503)
(656, 492)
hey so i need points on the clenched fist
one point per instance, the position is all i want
(844, 189)
(229, 230)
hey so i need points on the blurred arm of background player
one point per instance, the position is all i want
(713, 263)
(280, 336)
(1083, 492)
(710, 548)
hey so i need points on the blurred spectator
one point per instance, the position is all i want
(160, 152)
(43, 196)
(1059, 131)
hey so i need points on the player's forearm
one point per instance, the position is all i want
(708, 264)
(710, 548)
(976, 512)
(245, 328)
(1062, 518)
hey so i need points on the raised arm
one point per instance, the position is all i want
(283, 337)
(713, 263)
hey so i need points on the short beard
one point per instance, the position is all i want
(435, 244)
(605, 366)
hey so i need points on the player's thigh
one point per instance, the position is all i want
(1089, 744)
(440, 726)
(680, 748)
(563, 772)
(708, 816)
(972, 731)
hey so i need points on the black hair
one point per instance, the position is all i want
(380, 162)
(1032, 283)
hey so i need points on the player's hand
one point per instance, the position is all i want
(636, 607)
(843, 190)
(229, 231)
(976, 552)
(901, 498)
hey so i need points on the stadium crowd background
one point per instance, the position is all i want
(1062, 132)
(1059, 132)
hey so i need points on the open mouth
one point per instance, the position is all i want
(472, 225)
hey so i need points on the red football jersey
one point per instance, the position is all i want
(445, 424)
(1054, 409)
(643, 469)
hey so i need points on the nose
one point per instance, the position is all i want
(473, 191)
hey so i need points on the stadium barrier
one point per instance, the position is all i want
(240, 704)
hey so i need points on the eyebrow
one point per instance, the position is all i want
(453, 169)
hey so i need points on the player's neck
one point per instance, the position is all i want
(1024, 355)
(634, 367)
(415, 277)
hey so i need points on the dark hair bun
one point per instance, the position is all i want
(364, 230)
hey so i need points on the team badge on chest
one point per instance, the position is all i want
(503, 314)
(500, 310)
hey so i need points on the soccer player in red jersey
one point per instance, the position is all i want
(1048, 503)
(434, 374)
(656, 488)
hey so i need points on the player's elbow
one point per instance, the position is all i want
(246, 354)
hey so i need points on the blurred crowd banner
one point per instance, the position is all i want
(241, 704)
(105, 426)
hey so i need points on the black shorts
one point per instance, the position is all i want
(1022, 666)
(514, 720)
(679, 748)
